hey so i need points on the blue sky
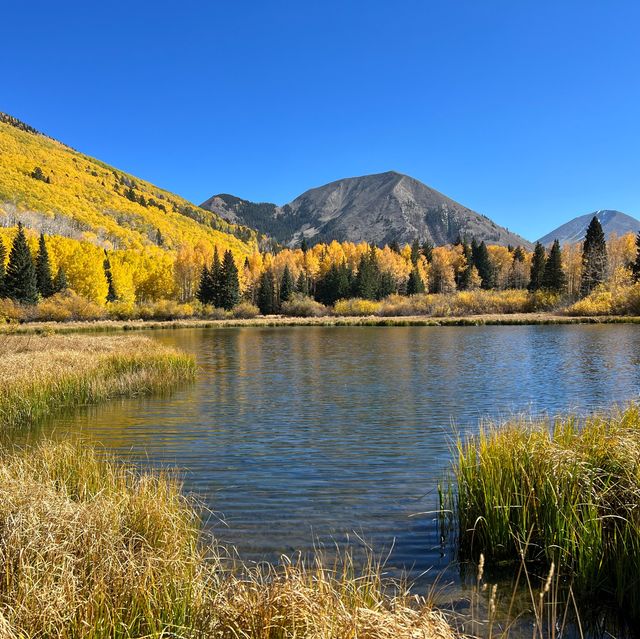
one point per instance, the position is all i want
(528, 112)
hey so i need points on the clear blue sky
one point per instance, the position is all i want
(528, 112)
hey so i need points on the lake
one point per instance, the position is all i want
(301, 435)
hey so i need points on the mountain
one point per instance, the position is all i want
(380, 208)
(53, 188)
(574, 230)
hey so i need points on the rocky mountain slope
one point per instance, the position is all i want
(380, 208)
(574, 230)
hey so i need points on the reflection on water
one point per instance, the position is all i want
(295, 434)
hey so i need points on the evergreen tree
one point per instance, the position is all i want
(20, 278)
(43, 269)
(204, 287)
(267, 302)
(3, 257)
(427, 250)
(215, 280)
(112, 296)
(594, 258)
(386, 286)
(287, 287)
(415, 251)
(538, 262)
(518, 254)
(636, 264)
(482, 262)
(335, 284)
(463, 280)
(229, 284)
(367, 280)
(395, 247)
(303, 244)
(415, 285)
(553, 277)
(302, 285)
(60, 282)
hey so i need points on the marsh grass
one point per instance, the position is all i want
(91, 548)
(561, 493)
(44, 373)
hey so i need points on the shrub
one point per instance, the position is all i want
(67, 306)
(303, 306)
(165, 310)
(356, 306)
(598, 302)
(400, 305)
(11, 311)
(245, 310)
(122, 310)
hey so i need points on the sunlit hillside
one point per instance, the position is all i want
(89, 206)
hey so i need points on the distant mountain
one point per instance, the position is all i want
(380, 208)
(574, 231)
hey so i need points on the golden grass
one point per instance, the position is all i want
(43, 373)
(91, 548)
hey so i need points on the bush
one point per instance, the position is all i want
(11, 311)
(122, 310)
(245, 310)
(598, 302)
(356, 306)
(303, 306)
(68, 306)
(165, 310)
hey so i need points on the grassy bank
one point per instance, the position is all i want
(560, 493)
(515, 319)
(91, 548)
(44, 373)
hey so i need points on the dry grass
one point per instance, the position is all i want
(90, 549)
(42, 373)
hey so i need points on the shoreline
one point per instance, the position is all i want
(514, 319)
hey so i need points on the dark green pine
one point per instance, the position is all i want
(215, 280)
(482, 262)
(112, 296)
(594, 258)
(287, 286)
(415, 285)
(204, 286)
(553, 278)
(20, 279)
(43, 269)
(267, 302)
(636, 264)
(367, 280)
(538, 263)
(229, 283)
(60, 282)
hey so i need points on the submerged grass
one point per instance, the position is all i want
(91, 548)
(44, 373)
(560, 493)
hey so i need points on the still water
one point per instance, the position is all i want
(299, 436)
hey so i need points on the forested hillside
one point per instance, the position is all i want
(156, 240)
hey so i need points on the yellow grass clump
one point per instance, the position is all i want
(43, 373)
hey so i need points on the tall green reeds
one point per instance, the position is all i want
(557, 492)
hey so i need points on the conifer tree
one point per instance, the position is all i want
(43, 269)
(553, 277)
(636, 265)
(204, 286)
(302, 285)
(229, 284)
(215, 280)
(3, 257)
(415, 251)
(594, 258)
(427, 250)
(20, 278)
(538, 262)
(334, 285)
(287, 287)
(60, 281)
(112, 296)
(395, 247)
(386, 285)
(367, 280)
(415, 285)
(482, 262)
(267, 302)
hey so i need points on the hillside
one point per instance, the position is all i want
(380, 208)
(613, 222)
(79, 197)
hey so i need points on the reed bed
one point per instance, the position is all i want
(91, 548)
(561, 493)
(44, 373)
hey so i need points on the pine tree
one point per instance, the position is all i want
(594, 258)
(20, 278)
(482, 262)
(367, 280)
(386, 285)
(229, 284)
(334, 285)
(60, 282)
(215, 280)
(3, 257)
(636, 264)
(112, 296)
(204, 286)
(553, 277)
(395, 247)
(43, 269)
(415, 285)
(538, 262)
(267, 302)
(415, 251)
(302, 285)
(287, 287)
(427, 250)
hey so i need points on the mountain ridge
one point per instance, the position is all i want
(380, 208)
(574, 230)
